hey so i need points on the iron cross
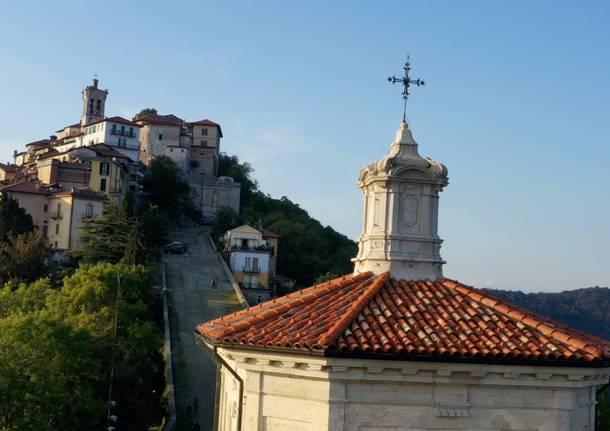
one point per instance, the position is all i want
(406, 81)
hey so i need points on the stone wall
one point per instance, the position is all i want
(211, 194)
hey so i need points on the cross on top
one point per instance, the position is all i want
(406, 81)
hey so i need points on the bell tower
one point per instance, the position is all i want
(94, 103)
(400, 220)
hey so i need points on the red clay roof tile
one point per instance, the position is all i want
(376, 314)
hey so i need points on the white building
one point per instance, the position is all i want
(250, 258)
(396, 346)
(117, 132)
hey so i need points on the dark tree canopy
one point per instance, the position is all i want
(13, 218)
(167, 188)
(145, 113)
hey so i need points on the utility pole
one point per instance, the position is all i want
(110, 418)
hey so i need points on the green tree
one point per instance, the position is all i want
(23, 257)
(87, 302)
(135, 250)
(103, 238)
(226, 218)
(13, 218)
(48, 375)
(230, 166)
(145, 113)
(167, 188)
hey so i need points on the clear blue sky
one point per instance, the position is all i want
(516, 105)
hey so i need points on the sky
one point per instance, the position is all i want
(515, 104)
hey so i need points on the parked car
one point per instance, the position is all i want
(175, 247)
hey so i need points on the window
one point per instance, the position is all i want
(160, 136)
(123, 130)
(58, 210)
(45, 208)
(91, 106)
(122, 142)
(248, 263)
(171, 150)
(204, 143)
(99, 105)
(55, 244)
(45, 229)
(204, 132)
(103, 185)
(131, 131)
(104, 168)
(57, 229)
(89, 210)
(114, 128)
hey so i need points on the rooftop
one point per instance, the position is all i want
(116, 120)
(376, 316)
(206, 122)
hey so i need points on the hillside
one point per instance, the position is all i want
(308, 250)
(585, 309)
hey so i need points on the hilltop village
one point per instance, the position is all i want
(66, 178)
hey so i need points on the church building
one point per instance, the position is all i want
(397, 345)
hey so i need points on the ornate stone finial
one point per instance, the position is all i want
(406, 81)
(400, 226)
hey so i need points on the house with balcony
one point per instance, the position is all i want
(250, 258)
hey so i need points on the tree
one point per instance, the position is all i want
(48, 373)
(13, 218)
(226, 218)
(230, 166)
(87, 302)
(135, 250)
(167, 188)
(146, 112)
(23, 257)
(103, 238)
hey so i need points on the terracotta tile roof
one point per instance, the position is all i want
(32, 187)
(206, 122)
(106, 151)
(117, 120)
(162, 120)
(268, 234)
(68, 127)
(39, 144)
(379, 316)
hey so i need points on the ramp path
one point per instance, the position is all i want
(192, 300)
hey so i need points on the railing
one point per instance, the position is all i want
(264, 248)
(123, 133)
(251, 270)
(56, 215)
(252, 286)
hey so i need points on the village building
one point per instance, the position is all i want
(251, 255)
(195, 148)
(57, 212)
(396, 345)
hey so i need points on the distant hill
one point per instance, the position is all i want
(585, 309)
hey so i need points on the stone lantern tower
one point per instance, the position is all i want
(400, 226)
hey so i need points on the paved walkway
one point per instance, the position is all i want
(191, 301)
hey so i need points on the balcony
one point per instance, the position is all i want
(56, 215)
(258, 248)
(125, 133)
(251, 270)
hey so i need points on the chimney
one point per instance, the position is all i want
(52, 138)
(95, 83)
